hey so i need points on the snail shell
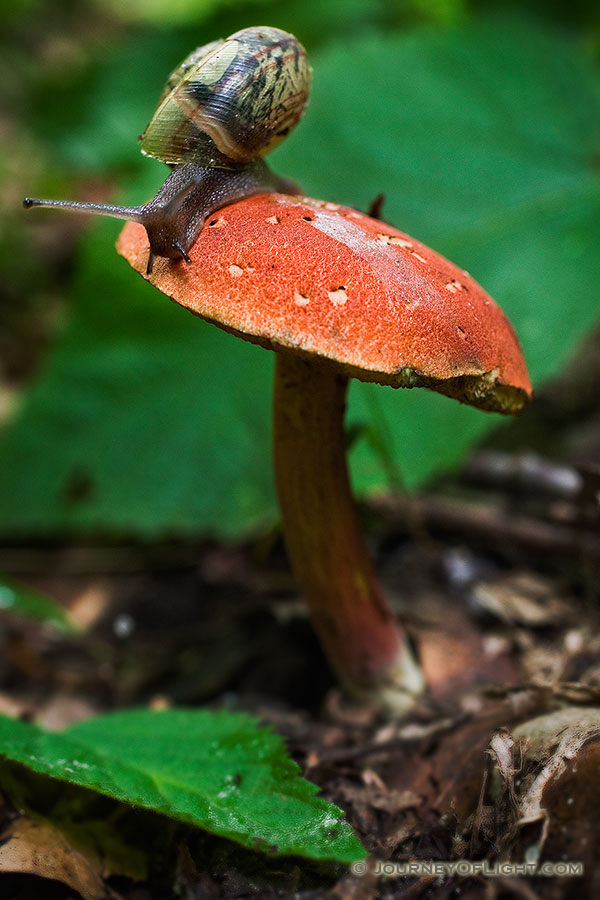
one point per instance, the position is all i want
(231, 101)
(221, 110)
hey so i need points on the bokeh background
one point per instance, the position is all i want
(122, 415)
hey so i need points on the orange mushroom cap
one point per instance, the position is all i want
(324, 279)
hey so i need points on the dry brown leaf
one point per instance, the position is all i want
(455, 654)
(11, 707)
(557, 791)
(502, 746)
(522, 598)
(63, 709)
(37, 848)
(553, 744)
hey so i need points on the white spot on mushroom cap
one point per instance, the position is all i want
(301, 299)
(394, 241)
(338, 297)
(454, 286)
(272, 220)
(236, 271)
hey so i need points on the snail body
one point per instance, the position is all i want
(222, 109)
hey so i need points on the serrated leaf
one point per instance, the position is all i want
(215, 770)
(484, 140)
(16, 598)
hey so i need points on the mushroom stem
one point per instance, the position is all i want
(356, 626)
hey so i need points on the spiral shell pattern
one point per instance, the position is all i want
(231, 101)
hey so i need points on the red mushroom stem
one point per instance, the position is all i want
(357, 628)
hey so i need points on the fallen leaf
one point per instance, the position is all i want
(554, 746)
(521, 599)
(37, 848)
(557, 795)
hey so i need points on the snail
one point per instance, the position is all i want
(222, 109)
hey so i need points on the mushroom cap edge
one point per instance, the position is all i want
(320, 278)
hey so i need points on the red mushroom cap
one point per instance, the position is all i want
(324, 279)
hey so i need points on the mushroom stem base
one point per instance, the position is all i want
(355, 624)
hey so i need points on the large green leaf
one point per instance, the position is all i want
(484, 140)
(153, 419)
(215, 770)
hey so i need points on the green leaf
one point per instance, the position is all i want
(484, 140)
(16, 598)
(215, 770)
(154, 419)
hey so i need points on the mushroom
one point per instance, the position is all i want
(340, 295)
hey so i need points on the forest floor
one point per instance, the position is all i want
(495, 576)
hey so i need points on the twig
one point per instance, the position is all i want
(498, 526)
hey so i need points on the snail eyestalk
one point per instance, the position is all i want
(174, 218)
(128, 213)
(183, 253)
